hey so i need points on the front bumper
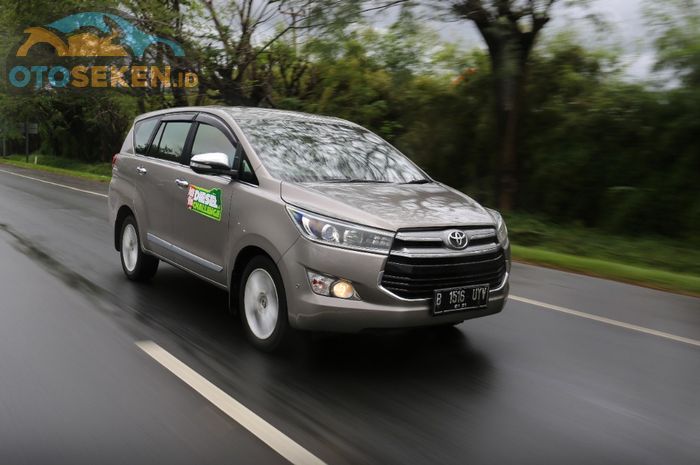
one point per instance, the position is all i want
(377, 308)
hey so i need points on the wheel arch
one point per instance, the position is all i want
(123, 213)
(244, 256)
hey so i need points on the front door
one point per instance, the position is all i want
(203, 204)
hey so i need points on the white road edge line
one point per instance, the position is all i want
(267, 433)
(53, 183)
(609, 321)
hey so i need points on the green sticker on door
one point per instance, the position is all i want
(206, 202)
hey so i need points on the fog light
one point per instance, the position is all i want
(323, 284)
(342, 289)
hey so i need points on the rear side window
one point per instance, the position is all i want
(128, 145)
(142, 134)
(170, 140)
(211, 140)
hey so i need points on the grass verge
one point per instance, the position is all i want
(658, 279)
(645, 251)
(92, 171)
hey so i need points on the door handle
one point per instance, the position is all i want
(182, 183)
(141, 170)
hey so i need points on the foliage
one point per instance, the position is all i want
(594, 149)
(677, 27)
(510, 30)
(647, 251)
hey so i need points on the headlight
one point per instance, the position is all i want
(338, 233)
(501, 230)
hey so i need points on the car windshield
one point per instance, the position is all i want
(320, 151)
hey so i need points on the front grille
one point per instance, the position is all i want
(418, 264)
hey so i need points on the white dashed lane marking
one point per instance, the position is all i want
(609, 321)
(264, 431)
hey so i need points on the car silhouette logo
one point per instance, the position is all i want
(131, 40)
(457, 240)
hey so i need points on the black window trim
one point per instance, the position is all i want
(159, 129)
(154, 131)
(219, 123)
(255, 176)
(179, 116)
(163, 122)
(196, 119)
(211, 120)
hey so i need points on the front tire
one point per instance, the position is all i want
(262, 304)
(137, 265)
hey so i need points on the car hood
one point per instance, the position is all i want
(388, 206)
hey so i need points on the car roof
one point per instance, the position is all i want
(251, 113)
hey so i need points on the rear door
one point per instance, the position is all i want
(203, 205)
(158, 170)
(139, 171)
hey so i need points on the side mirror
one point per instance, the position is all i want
(211, 163)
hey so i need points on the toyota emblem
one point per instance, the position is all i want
(457, 240)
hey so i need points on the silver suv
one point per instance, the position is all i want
(307, 221)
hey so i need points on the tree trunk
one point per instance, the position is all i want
(508, 61)
(510, 119)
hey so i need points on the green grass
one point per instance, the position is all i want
(59, 165)
(660, 262)
(661, 253)
(660, 279)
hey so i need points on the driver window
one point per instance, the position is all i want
(210, 140)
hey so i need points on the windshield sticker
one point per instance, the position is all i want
(206, 202)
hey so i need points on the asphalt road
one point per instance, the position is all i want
(531, 385)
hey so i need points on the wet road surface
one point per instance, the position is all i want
(530, 385)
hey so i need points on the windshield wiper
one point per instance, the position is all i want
(418, 181)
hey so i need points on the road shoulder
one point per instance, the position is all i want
(56, 178)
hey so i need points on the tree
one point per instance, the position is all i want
(165, 18)
(677, 27)
(675, 24)
(235, 35)
(509, 28)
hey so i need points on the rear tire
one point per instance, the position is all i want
(137, 265)
(262, 304)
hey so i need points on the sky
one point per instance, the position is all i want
(627, 32)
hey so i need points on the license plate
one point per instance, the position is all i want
(460, 298)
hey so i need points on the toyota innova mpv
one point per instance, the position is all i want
(308, 222)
